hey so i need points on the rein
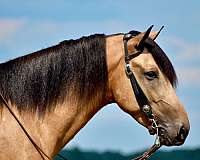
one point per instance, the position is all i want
(141, 98)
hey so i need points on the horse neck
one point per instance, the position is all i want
(56, 128)
(69, 120)
(59, 126)
(50, 132)
(115, 59)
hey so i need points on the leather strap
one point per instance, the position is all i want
(141, 98)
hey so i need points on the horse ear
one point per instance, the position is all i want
(146, 34)
(154, 35)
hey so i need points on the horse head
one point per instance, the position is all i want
(154, 77)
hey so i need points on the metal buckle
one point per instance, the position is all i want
(128, 69)
(146, 109)
(127, 36)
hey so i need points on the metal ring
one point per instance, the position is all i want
(157, 140)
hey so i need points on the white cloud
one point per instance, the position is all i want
(189, 76)
(186, 60)
(72, 29)
(185, 50)
(9, 27)
(82, 27)
(19, 36)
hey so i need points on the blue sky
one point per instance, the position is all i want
(29, 26)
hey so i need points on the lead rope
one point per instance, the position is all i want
(39, 150)
(153, 148)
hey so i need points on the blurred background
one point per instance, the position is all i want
(27, 26)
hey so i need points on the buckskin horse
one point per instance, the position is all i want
(49, 95)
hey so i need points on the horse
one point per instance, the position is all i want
(54, 92)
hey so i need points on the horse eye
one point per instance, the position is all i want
(151, 75)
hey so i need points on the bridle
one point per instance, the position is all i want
(141, 98)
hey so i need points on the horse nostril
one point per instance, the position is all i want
(181, 135)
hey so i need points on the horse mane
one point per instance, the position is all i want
(161, 59)
(37, 81)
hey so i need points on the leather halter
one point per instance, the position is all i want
(140, 96)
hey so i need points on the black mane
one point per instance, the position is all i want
(36, 82)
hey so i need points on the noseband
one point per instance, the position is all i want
(141, 98)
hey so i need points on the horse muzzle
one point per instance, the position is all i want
(169, 137)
